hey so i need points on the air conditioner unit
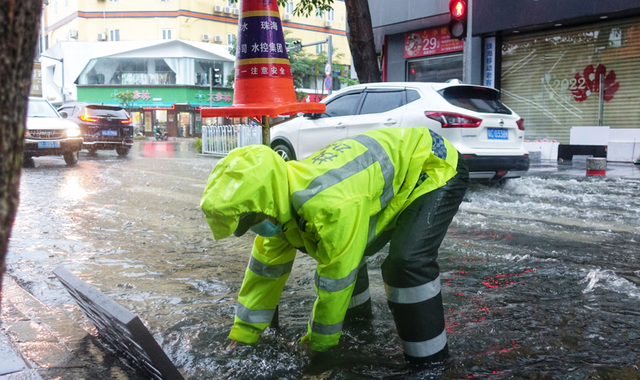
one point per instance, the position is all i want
(286, 16)
(102, 36)
(236, 11)
(217, 8)
(217, 39)
(228, 10)
(73, 33)
(206, 37)
(327, 24)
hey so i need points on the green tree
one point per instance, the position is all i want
(19, 23)
(126, 99)
(359, 34)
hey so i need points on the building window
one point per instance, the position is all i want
(330, 15)
(319, 13)
(55, 7)
(66, 3)
(165, 1)
(231, 39)
(113, 1)
(166, 34)
(114, 35)
(231, 3)
(319, 48)
(288, 8)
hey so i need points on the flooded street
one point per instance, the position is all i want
(541, 277)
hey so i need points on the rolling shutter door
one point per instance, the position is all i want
(551, 79)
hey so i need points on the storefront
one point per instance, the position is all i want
(432, 56)
(172, 109)
(583, 75)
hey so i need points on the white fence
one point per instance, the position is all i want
(219, 140)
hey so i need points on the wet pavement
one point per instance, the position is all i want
(541, 278)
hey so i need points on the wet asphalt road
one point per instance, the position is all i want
(541, 277)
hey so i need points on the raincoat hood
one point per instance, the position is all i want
(249, 179)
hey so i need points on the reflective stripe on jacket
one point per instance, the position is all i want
(343, 197)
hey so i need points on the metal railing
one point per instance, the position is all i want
(219, 140)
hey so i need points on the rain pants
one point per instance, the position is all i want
(338, 204)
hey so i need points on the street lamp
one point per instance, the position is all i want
(61, 60)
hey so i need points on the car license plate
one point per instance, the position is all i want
(497, 134)
(109, 133)
(48, 144)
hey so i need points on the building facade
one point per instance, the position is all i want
(210, 21)
(558, 63)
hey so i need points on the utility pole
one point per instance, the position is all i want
(297, 46)
(329, 57)
(468, 53)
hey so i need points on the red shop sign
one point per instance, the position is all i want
(430, 42)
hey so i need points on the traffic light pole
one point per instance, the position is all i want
(467, 68)
(329, 43)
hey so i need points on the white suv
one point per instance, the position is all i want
(49, 134)
(488, 134)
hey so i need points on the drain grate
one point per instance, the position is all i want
(121, 328)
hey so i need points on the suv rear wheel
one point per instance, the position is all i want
(122, 150)
(284, 151)
(71, 158)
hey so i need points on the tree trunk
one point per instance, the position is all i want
(19, 23)
(360, 36)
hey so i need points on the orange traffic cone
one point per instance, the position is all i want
(263, 83)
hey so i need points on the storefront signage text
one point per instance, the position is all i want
(430, 42)
(489, 62)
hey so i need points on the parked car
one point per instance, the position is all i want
(49, 134)
(103, 127)
(488, 134)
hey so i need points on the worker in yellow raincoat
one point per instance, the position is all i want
(341, 204)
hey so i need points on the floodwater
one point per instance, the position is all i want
(541, 277)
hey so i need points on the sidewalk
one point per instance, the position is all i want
(37, 342)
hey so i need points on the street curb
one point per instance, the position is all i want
(48, 343)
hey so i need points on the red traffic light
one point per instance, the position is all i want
(458, 8)
(458, 23)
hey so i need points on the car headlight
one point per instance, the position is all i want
(73, 132)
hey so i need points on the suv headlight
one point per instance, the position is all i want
(73, 132)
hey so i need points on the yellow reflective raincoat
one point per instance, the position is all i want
(332, 205)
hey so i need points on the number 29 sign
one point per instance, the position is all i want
(430, 42)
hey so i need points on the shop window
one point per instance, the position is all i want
(204, 68)
(382, 101)
(435, 69)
